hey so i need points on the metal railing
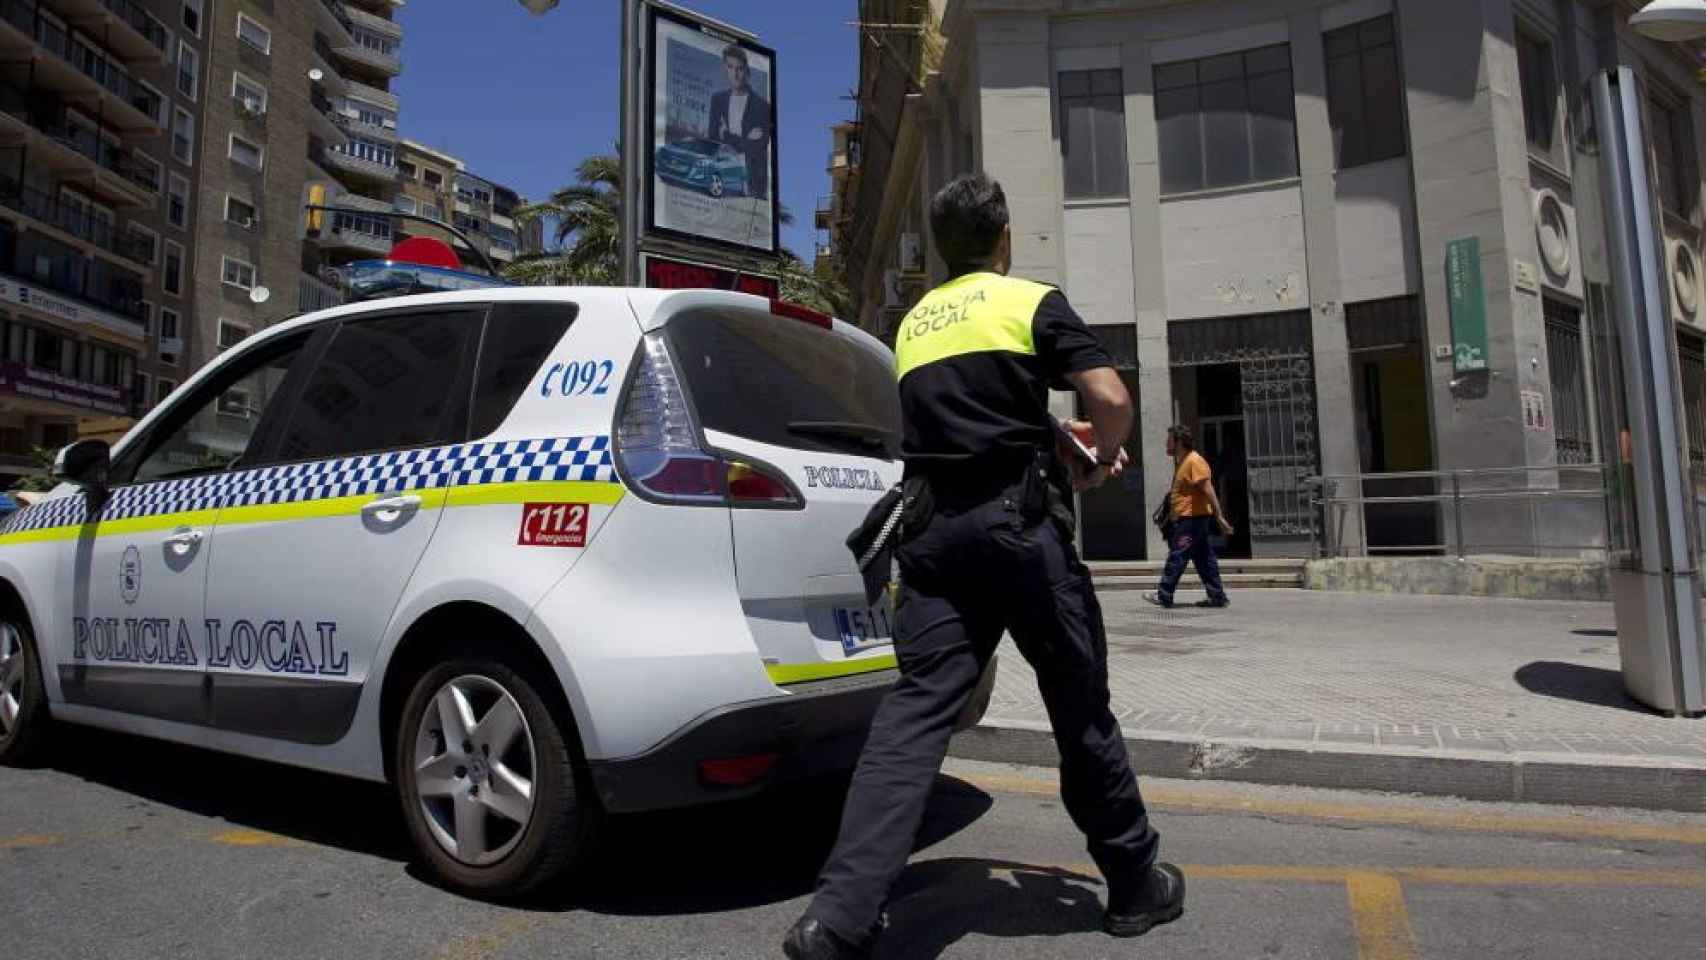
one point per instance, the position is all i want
(73, 220)
(139, 20)
(39, 110)
(104, 71)
(1458, 512)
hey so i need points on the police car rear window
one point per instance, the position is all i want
(786, 383)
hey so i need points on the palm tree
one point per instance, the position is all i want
(588, 218)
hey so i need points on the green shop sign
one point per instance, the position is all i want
(1468, 304)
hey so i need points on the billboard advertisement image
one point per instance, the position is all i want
(712, 156)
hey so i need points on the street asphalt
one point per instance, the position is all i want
(126, 848)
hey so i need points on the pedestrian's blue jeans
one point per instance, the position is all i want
(1191, 542)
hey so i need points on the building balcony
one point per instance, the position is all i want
(104, 91)
(366, 60)
(72, 221)
(335, 20)
(356, 201)
(343, 165)
(64, 299)
(321, 122)
(75, 154)
(362, 15)
(312, 294)
(371, 94)
(346, 236)
(122, 25)
(355, 126)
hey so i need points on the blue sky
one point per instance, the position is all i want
(522, 99)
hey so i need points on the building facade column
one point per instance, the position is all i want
(1335, 402)
(1470, 169)
(1149, 282)
(1015, 111)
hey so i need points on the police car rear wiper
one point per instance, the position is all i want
(863, 433)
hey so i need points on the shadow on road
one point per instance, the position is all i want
(939, 902)
(1572, 681)
(304, 805)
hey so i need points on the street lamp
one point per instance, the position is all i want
(1670, 20)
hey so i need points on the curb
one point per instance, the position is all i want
(1591, 780)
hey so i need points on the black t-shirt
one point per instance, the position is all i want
(992, 405)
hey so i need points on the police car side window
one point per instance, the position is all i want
(214, 428)
(519, 339)
(386, 383)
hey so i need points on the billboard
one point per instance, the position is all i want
(710, 156)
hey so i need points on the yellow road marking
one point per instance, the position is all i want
(1381, 920)
(1395, 816)
(480, 946)
(27, 841)
(254, 838)
(1433, 876)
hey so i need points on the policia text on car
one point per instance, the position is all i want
(985, 547)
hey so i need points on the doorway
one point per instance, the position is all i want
(1394, 435)
(1113, 521)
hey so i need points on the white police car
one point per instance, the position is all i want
(530, 554)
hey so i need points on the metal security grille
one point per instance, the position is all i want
(1570, 420)
(1691, 350)
(1277, 374)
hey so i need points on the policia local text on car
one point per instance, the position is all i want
(985, 547)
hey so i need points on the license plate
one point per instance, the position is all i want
(864, 627)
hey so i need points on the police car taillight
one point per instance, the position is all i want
(794, 311)
(658, 449)
(657, 442)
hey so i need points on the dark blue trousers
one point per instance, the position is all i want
(1191, 543)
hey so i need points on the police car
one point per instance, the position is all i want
(531, 554)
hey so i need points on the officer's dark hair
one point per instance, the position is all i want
(1181, 435)
(735, 53)
(967, 217)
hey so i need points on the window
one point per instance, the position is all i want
(249, 95)
(240, 212)
(212, 429)
(146, 242)
(168, 324)
(140, 394)
(148, 169)
(144, 97)
(1539, 89)
(192, 16)
(1568, 377)
(434, 179)
(1092, 133)
(409, 170)
(519, 339)
(254, 34)
(178, 201)
(376, 43)
(789, 372)
(1670, 156)
(172, 276)
(163, 388)
(1226, 120)
(433, 211)
(405, 205)
(1365, 96)
(189, 70)
(231, 334)
(183, 136)
(237, 273)
(246, 153)
(385, 384)
(374, 225)
(370, 150)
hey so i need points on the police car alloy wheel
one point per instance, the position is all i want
(23, 717)
(491, 787)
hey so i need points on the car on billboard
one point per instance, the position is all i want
(532, 555)
(703, 164)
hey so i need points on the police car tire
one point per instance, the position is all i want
(565, 814)
(30, 729)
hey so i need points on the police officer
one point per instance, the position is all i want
(987, 547)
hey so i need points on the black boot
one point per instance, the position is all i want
(1133, 908)
(809, 939)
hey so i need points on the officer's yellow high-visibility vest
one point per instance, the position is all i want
(976, 313)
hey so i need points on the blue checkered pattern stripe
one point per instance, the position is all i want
(562, 459)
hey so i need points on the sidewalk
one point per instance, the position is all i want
(1458, 696)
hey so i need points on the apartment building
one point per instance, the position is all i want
(298, 108)
(438, 185)
(1256, 206)
(99, 103)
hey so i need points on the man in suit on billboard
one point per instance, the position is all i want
(743, 120)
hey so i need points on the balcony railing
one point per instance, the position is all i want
(107, 73)
(312, 293)
(133, 14)
(33, 203)
(38, 109)
(361, 166)
(337, 10)
(123, 295)
(389, 64)
(360, 127)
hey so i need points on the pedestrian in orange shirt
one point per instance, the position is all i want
(1192, 507)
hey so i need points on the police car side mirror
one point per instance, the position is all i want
(85, 463)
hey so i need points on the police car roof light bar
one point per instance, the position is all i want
(794, 311)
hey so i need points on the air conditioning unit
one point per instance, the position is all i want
(253, 107)
(247, 223)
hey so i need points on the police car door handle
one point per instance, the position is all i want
(391, 509)
(185, 540)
